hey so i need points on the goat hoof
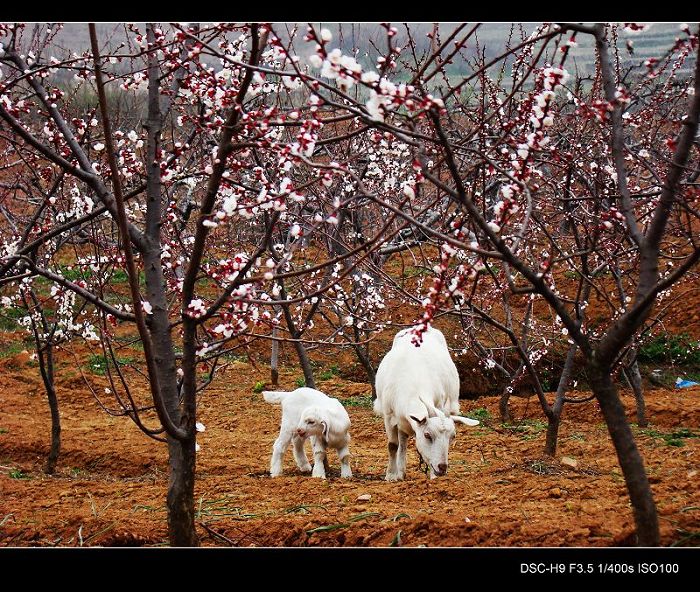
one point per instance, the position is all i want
(306, 469)
(394, 477)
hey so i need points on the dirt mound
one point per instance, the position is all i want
(666, 408)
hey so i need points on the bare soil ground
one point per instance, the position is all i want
(111, 481)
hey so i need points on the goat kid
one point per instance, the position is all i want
(308, 413)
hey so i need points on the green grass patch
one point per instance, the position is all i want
(259, 387)
(350, 522)
(119, 277)
(231, 357)
(301, 381)
(412, 271)
(302, 508)
(18, 474)
(671, 349)
(357, 401)
(9, 318)
(72, 274)
(674, 438)
(482, 414)
(98, 363)
(528, 429)
(12, 349)
(548, 380)
(220, 508)
(146, 508)
(329, 372)
(687, 538)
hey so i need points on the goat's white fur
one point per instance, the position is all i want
(308, 413)
(418, 394)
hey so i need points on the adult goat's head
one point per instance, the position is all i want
(433, 438)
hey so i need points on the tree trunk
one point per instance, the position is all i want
(181, 528)
(47, 376)
(550, 446)
(45, 357)
(645, 516)
(503, 408)
(182, 453)
(55, 449)
(503, 402)
(635, 379)
(275, 356)
(305, 364)
(295, 334)
(363, 356)
(180, 404)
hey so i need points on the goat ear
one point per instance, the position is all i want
(465, 420)
(325, 429)
(421, 422)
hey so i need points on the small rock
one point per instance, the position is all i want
(567, 461)
(365, 497)
(555, 492)
(692, 474)
(466, 519)
(326, 500)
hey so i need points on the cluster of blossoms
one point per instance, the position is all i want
(608, 217)
(342, 68)
(65, 318)
(550, 80)
(227, 271)
(636, 28)
(241, 313)
(447, 284)
(364, 304)
(385, 96)
(541, 117)
(387, 163)
(304, 142)
(600, 109)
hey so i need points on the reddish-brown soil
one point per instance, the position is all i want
(110, 485)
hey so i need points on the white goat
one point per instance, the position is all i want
(418, 393)
(308, 413)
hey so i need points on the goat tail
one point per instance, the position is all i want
(274, 397)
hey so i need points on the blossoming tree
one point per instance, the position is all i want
(261, 185)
